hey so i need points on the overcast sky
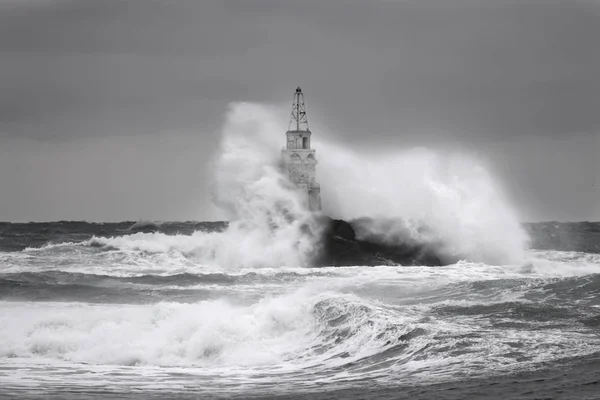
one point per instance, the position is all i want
(110, 109)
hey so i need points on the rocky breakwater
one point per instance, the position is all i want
(355, 243)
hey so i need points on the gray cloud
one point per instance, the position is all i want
(483, 75)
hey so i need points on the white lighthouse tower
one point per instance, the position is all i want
(298, 158)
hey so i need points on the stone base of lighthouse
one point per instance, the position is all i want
(311, 196)
(314, 199)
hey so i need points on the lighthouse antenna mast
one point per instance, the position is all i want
(299, 112)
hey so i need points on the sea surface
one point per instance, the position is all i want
(103, 311)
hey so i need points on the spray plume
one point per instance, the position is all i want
(412, 196)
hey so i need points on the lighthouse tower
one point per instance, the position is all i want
(298, 158)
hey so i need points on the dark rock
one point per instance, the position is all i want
(342, 230)
(341, 247)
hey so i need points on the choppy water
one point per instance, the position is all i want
(95, 310)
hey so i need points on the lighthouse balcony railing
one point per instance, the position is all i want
(299, 150)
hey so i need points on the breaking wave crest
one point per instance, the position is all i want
(295, 329)
(336, 335)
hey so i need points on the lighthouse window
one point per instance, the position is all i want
(305, 143)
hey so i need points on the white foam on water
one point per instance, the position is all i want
(311, 331)
(562, 263)
(278, 332)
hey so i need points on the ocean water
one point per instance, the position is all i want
(99, 311)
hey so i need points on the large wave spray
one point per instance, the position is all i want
(269, 225)
(413, 195)
(446, 200)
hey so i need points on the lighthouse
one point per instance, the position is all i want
(299, 159)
